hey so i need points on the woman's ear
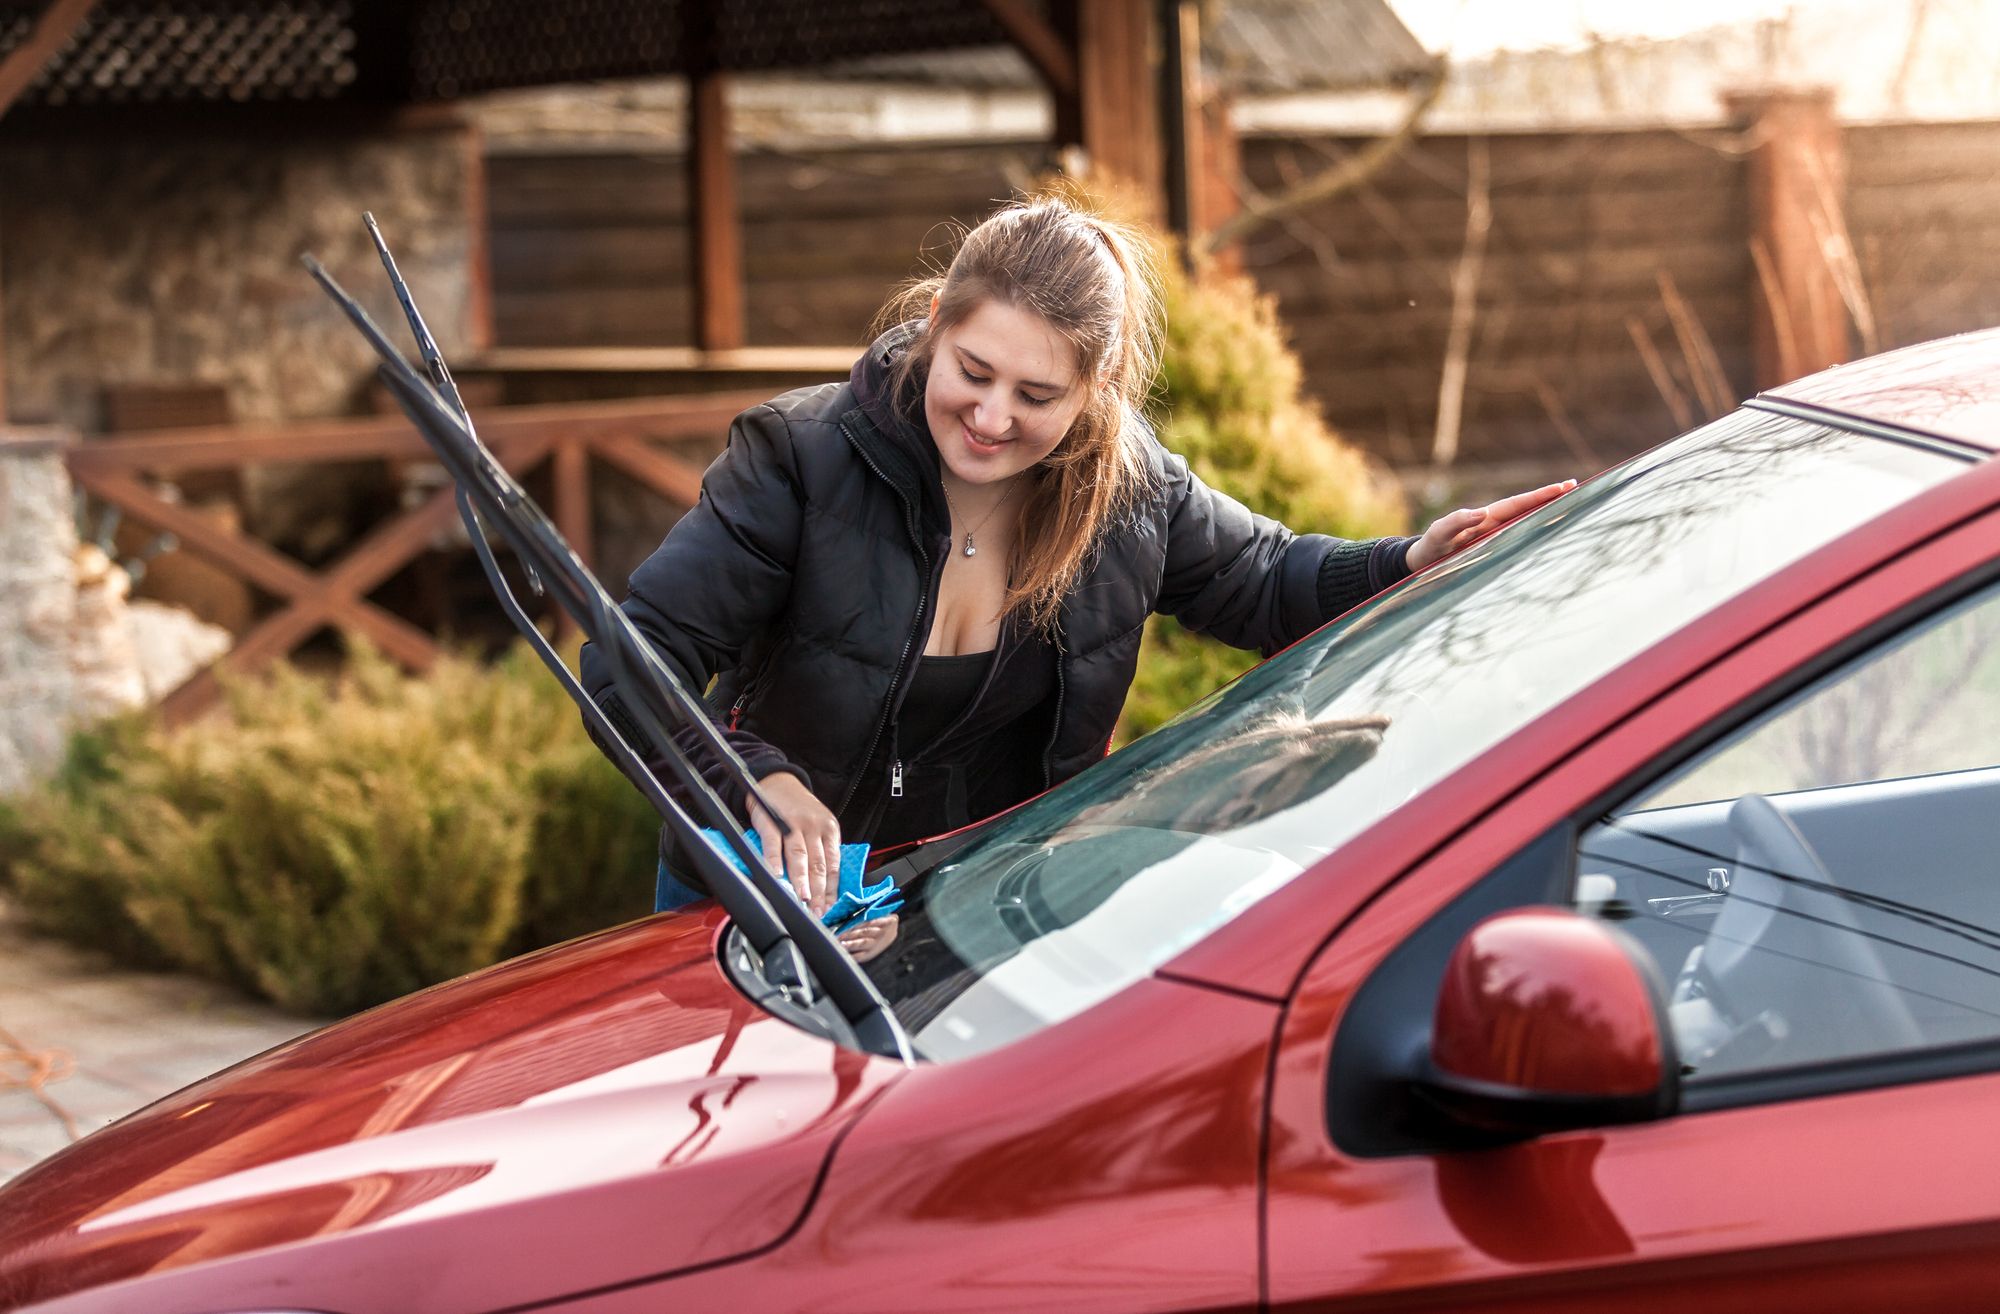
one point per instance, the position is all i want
(934, 305)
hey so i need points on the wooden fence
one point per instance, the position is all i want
(1592, 233)
(621, 435)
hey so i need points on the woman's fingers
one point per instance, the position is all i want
(811, 851)
(829, 866)
(799, 864)
(1507, 508)
(771, 841)
(1461, 528)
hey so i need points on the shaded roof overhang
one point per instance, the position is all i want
(163, 52)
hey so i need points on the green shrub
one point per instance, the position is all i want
(330, 846)
(1231, 404)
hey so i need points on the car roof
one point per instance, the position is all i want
(1949, 388)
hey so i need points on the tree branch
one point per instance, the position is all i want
(1343, 177)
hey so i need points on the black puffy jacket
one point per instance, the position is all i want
(804, 581)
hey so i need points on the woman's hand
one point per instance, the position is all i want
(811, 853)
(870, 938)
(1455, 529)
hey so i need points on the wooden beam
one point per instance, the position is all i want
(715, 242)
(663, 360)
(268, 569)
(670, 477)
(57, 25)
(337, 597)
(1798, 232)
(391, 437)
(1052, 56)
(1118, 94)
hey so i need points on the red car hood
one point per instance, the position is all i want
(594, 1114)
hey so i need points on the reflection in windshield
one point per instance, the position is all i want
(1093, 885)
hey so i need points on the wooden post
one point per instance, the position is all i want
(1065, 18)
(479, 334)
(1217, 176)
(1798, 231)
(1180, 118)
(716, 245)
(3, 353)
(1118, 92)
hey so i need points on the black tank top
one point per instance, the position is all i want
(967, 741)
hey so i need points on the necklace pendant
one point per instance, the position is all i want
(970, 550)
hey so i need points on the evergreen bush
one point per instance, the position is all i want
(331, 846)
(1230, 402)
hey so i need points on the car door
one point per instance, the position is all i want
(1839, 1023)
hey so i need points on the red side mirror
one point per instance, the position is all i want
(1548, 1019)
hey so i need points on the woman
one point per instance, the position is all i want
(922, 591)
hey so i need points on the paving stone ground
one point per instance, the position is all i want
(132, 1036)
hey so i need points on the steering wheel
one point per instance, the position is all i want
(1777, 871)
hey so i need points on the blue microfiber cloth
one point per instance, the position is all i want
(856, 900)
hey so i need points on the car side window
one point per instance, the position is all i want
(1822, 886)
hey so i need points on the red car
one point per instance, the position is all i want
(1608, 917)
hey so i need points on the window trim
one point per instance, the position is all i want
(1929, 442)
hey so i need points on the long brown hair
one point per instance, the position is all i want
(1094, 281)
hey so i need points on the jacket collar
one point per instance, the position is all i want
(894, 438)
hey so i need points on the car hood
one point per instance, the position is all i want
(601, 1112)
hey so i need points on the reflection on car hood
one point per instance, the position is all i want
(597, 1113)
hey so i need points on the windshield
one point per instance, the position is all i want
(1093, 885)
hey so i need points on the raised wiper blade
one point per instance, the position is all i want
(780, 923)
(784, 968)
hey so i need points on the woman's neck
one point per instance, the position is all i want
(971, 503)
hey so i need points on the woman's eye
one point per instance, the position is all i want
(1036, 401)
(969, 376)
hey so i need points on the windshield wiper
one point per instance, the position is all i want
(788, 938)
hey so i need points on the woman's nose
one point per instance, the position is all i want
(989, 417)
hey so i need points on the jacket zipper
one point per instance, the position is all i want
(979, 696)
(916, 627)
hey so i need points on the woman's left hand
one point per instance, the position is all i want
(1455, 529)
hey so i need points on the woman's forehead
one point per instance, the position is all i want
(1016, 342)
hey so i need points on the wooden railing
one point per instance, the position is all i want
(620, 434)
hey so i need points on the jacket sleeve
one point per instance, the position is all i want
(1247, 580)
(717, 584)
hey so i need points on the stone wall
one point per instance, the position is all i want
(74, 649)
(172, 257)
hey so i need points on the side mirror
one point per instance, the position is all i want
(1549, 1020)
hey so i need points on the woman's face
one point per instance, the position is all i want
(1003, 390)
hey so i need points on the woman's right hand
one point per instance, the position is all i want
(810, 856)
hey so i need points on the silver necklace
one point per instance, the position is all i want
(970, 550)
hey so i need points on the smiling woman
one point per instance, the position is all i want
(920, 593)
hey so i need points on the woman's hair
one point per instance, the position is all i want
(1093, 280)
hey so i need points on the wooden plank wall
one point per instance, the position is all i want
(590, 249)
(1923, 205)
(1582, 227)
